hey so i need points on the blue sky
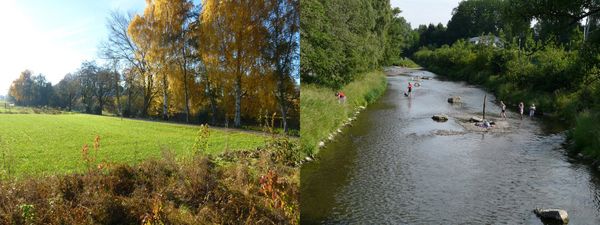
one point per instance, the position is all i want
(418, 12)
(52, 37)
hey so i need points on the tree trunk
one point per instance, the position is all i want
(213, 103)
(283, 117)
(187, 99)
(147, 94)
(282, 103)
(165, 98)
(117, 79)
(70, 102)
(129, 94)
(101, 105)
(185, 87)
(237, 121)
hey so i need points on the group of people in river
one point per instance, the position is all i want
(532, 109)
(341, 97)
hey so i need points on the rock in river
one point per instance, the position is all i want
(554, 215)
(454, 99)
(475, 119)
(321, 144)
(440, 118)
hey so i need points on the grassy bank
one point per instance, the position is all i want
(322, 114)
(560, 82)
(42, 144)
(406, 62)
(256, 186)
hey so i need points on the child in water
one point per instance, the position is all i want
(521, 108)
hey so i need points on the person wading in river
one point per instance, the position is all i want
(409, 88)
(532, 110)
(503, 113)
(521, 108)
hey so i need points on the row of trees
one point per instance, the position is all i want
(31, 90)
(343, 38)
(558, 21)
(221, 59)
(90, 89)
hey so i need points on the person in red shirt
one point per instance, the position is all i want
(409, 88)
(341, 97)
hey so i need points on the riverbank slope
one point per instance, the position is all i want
(322, 114)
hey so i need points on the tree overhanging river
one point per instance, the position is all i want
(396, 165)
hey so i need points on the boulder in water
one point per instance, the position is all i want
(440, 118)
(552, 215)
(454, 99)
(476, 119)
(321, 144)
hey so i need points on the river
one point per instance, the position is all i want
(396, 165)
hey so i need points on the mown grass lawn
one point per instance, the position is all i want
(42, 144)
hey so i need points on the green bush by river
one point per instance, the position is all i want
(561, 82)
(322, 113)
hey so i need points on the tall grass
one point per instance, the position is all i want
(322, 113)
(586, 134)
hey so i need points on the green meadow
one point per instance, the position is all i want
(43, 144)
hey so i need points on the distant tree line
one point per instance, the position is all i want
(221, 62)
(512, 20)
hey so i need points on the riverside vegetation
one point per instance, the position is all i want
(252, 186)
(322, 114)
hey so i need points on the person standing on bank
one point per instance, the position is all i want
(341, 97)
(521, 108)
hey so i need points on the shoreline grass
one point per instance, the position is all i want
(322, 114)
(42, 144)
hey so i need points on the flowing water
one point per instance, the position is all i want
(396, 165)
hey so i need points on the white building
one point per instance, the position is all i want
(487, 40)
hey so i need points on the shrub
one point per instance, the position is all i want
(586, 134)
